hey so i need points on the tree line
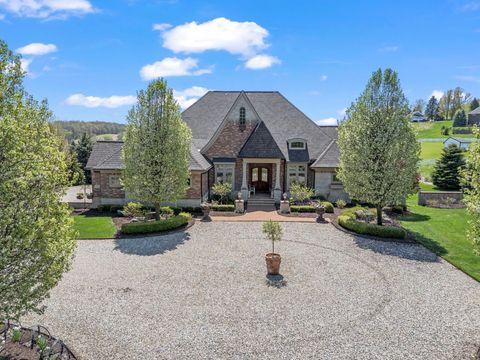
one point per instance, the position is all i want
(74, 130)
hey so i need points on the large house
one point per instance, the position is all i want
(256, 140)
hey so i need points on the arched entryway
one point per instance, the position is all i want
(261, 177)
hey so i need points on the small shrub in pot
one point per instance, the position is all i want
(273, 232)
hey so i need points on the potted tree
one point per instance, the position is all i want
(273, 231)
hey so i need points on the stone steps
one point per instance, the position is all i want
(261, 203)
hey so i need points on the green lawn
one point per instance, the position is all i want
(443, 231)
(426, 171)
(431, 150)
(431, 130)
(428, 187)
(94, 227)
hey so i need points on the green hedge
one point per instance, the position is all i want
(462, 130)
(348, 220)
(223, 207)
(157, 226)
(328, 207)
(302, 208)
(109, 207)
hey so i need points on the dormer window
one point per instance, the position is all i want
(296, 144)
(242, 119)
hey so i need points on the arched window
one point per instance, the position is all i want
(242, 119)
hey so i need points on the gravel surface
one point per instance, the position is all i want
(204, 295)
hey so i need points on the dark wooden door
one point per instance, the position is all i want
(260, 178)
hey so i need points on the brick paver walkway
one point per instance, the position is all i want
(264, 216)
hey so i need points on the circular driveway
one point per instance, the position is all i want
(204, 294)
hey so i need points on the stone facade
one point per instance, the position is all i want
(430, 198)
(105, 188)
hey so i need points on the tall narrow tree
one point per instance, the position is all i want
(378, 148)
(446, 173)
(460, 118)
(157, 148)
(82, 149)
(431, 111)
(470, 176)
(36, 230)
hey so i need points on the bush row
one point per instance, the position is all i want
(157, 226)
(461, 130)
(176, 210)
(348, 220)
(302, 208)
(109, 208)
(223, 207)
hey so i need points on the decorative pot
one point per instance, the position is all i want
(320, 211)
(273, 263)
(206, 212)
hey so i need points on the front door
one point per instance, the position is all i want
(260, 178)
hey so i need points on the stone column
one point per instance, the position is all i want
(277, 192)
(244, 189)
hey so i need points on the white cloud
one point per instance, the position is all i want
(161, 27)
(37, 49)
(471, 6)
(47, 8)
(94, 101)
(25, 63)
(324, 77)
(468, 78)
(244, 38)
(188, 96)
(331, 121)
(437, 93)
(261, 62)
(172, 66)
(392, 48)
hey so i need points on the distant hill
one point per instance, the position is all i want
(74, 129)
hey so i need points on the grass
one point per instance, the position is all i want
(432, 130)
(443, 231)
(426, 171)
(431, 150)
(428, 187)
(94, 227)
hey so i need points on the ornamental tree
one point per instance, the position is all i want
(156, 149)
(222, 189)
(460, 118)
(470, 176)
(446, 173)
(37, 239)
(378, 148)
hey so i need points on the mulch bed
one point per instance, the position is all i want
(298, 214)
(225, 213)
(120, 235)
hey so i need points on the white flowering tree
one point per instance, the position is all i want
(471, 182)
(378, 148)
(37, 239)
(157, 148)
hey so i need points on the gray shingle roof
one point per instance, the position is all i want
(475, 111)
(107, 155)
(260, 144)
(329, 158)
(282, 118)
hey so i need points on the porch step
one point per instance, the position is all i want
(261, 203)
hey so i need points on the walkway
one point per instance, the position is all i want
(252, 216)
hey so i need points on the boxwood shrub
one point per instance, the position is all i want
(157, 226)
(348, 220)
(328, 207)
(109, 207)
(302, 208)
(223, 207)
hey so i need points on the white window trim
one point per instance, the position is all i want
(233, 170)
(110, 182)
(297, 165)
(297, 140)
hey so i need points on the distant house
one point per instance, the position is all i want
(461, 143)
(474, 117)
(417, 116)
(256, 140)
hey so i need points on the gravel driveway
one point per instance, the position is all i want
(204, 295)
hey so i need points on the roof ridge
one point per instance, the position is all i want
(324, 152)
(109, 157)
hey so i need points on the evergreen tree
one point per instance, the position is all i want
(446, 172)
(37, 238)
(474, 104)
(378, 148)
(431, 111)
(83, 148)
(460, 118)
(157, 148)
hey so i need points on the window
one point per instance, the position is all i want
(255, 174)
(189, 182)
(242, 120)
(224, 173)
(114, 181)
(335, 179)
(296, 173)
(264, 175)
(297, 144)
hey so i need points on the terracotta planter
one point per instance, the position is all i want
(273, 263)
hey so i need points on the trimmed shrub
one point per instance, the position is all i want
(328, 207)
(319, 197)
(109, 207)
(166, 211)
(349, 221)
(462, 130)
(223, 207)
(302, 208)
(157, 226)
(341, 203)
(133, 209)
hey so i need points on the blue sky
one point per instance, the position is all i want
(89, 57)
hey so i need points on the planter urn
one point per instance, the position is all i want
(206, 212)
(320, 212)
(273, 263)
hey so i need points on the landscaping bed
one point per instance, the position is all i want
(158, 226)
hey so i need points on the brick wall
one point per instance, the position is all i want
(439, 197)
(194, 192)
(230, 140)
(101, 185)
